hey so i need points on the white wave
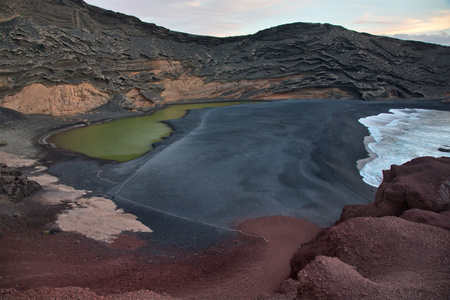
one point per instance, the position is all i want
(402, 135)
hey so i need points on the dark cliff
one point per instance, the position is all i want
(68, 42)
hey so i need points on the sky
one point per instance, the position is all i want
(423, 20)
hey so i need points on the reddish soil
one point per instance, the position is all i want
(239, 269)
(379, 258)
(394, 248)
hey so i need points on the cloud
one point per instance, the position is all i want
(238, 17)
(218, 17)
(442, 38)
(439, 21)
(368, 18)
(414, 26)
(207, 17)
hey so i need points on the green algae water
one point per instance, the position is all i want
(125, 139)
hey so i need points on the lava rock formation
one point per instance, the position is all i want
(394, 248)
(68, 44)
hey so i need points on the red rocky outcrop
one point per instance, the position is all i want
(379, 258)
(441, 219)
(423, 183)
(394, 248)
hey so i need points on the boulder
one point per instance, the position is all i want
(362, 210)
(376, 258)
(309, 251)
(441, 220)
(422, 183)
(14, 184)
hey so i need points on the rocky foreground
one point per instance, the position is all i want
(394, 248)
(61, 243)
(64, 56)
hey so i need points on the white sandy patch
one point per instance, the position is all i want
(44, 179)
(94, 217)
(12, 160)
(54, 194)
(98, 218)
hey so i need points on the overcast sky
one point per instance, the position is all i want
(425, 20)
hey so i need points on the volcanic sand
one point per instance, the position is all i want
(179, 266)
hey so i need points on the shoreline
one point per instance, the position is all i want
(174, 269)
(43, 139)
(371, 155)
(262, 244)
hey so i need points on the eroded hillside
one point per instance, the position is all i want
(68, 45)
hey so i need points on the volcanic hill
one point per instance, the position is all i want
(65, 56)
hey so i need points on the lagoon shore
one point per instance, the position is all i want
(74, 263)
(69, 264)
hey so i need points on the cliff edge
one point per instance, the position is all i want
(62, 43)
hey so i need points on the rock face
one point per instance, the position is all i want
(373, 253)
(423, 183)
(441, 220)
(68, 42)
(379, 258)
(15, 185)
(56, 100)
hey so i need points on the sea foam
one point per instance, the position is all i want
(402, 135)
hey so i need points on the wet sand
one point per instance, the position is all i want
(243, 268)
(296, 158)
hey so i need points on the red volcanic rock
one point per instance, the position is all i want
(378, 258)
(330, 278)
(422, 183)
(352, 211)
(368, 254)
(309, 251)
(441, 220)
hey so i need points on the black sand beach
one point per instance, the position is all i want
(224, 166)
(219, 195)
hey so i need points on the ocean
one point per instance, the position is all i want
(401, 135)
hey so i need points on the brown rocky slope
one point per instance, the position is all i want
(65, 43)
(379, 251)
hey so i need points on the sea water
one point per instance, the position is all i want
(402, 135)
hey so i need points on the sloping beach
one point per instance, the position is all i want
(222, 166)
(213, 194)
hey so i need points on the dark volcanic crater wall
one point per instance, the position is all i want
(55, 42)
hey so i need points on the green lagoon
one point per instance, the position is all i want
(125, 139)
